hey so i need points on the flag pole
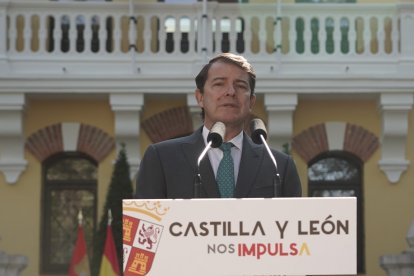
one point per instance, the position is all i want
(109, 262)
(79, 263)
(109, 217)
(80, 217)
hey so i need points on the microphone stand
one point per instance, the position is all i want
(197, 180)
(214, 140)
(276, 180)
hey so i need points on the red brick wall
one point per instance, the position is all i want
(171, 123)
(48, 141)
(314, 141)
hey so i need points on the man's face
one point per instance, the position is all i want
(226, 96)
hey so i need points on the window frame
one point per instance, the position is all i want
(345, 185)
(47, 187)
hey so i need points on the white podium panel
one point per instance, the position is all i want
(280, 236)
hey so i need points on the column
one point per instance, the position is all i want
(280, 108)
(127, 108)
(195, 110)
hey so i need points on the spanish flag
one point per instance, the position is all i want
(109, 263)
(79, 264)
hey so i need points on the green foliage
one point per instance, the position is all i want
(119, 188)
(286, 148)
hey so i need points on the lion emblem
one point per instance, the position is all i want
(148, 236)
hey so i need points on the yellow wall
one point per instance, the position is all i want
(388, 208)
(20, 204)
(24, 196)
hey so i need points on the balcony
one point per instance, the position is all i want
(306, 48)
(126, 50)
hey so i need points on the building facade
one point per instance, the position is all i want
(335, 86)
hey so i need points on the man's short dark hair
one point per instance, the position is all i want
(237, 60)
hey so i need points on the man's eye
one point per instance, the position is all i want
(241, 87)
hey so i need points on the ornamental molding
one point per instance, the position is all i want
(394, 108)
(12, 161)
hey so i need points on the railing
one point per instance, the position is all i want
(151, 36)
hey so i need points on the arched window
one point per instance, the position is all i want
(339, 174)
(69, 185)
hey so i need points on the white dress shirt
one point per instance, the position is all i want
(216, 154)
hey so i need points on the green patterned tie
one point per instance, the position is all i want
(225, 172)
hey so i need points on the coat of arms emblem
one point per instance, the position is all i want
(141, 238)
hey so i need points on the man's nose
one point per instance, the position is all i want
(231, 90)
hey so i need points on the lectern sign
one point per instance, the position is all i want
(288, 236)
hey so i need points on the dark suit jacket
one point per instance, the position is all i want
(168, 170)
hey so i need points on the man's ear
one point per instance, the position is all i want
(199, 97)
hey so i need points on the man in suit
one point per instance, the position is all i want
(225, 93)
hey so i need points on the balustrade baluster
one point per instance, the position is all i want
(232, 34)
(367, 36)
(27, 34)
(336, 36)
(162, 37)
(262, 36)
(307, 36)
(116, 42)
(191, 35)
(292, 36)
(88, 34)
(57, 33)
(247, 35)
(146, 34)
(177, 36)
(12, 33)
(352, 35)
(217, 36)
(381, 36)
(395, 36)
(322, 36)
(73, 34)
(103, 34)
(42, 33)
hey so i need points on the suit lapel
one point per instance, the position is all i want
(249, 166)
(192, 151)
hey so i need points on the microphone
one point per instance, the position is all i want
(216, 135)
(259, 136)
(258, 129)
(214, 140)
